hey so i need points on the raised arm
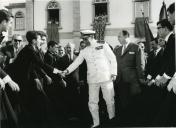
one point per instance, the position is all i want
(75, 64)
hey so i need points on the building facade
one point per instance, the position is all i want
(64, 19)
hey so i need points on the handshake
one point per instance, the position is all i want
(62, 73)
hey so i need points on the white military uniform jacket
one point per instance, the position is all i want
(101, 62)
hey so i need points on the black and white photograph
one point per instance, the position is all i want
(87, 63)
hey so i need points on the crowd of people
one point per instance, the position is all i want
(44, 84)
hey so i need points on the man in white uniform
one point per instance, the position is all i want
(101, 72)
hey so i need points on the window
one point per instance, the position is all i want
(101, 8)
(142, 8)
(53, 13)
(19, 21)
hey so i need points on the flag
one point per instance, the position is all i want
(163, 12)
(148, 35)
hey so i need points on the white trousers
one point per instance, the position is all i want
(108, 95)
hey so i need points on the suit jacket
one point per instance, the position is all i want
(130, 65)
(51, 59)
(168, 62)
(153, 61)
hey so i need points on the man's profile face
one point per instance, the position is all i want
(5, 25)
(82, 45)
(61, 51)
(121, 38)
(44, 40)
(38, 41)
(43, 45)
(54, 49)
(69, 49)
(86, 40)
(171, 17)
(161, 42)
(161, 31)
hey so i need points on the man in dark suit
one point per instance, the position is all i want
(171, 18)
(166, 114)
(154, 59)
(168, 62)
(130, 72)
(152, 95)
(56, 90)
(72, 80)
(31, 95)
(12, 49)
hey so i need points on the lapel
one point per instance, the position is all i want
(160, 53)
(127, 49)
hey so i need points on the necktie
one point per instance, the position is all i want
(70, 59)
(123, 50)
(155, 53)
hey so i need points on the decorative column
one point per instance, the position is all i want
(29, 15)
(76, 22)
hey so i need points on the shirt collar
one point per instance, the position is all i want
(167, 37)
(158, 50)
(128, 41)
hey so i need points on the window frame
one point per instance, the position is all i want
(22, 18)
(108, 9)
(57, 7)
(134, 10)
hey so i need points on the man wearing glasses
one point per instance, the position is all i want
(168, 67)
(12, 49)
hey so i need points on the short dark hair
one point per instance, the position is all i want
(165, 23)
(51, 44)
(125, 33)
(171, 8)
(5, 15)
(30, 35)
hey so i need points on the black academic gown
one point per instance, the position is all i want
(32, 100)
(8, 118)
(166, 115)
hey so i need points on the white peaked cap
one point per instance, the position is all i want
(87, 32)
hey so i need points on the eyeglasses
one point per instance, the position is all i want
(17, 40)
(159, 27)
